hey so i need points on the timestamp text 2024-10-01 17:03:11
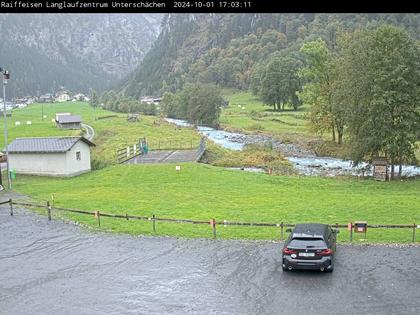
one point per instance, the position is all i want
(212, 4)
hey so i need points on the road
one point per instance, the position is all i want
(90, 132)
(60, 268)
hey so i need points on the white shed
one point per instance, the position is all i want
(51, 156)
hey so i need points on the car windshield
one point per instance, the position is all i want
(307, 242)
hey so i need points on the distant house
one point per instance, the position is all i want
(80, 97)
(61, 114)
(51, 156)
(68, 121)
(46, 98)
(62, 97)
(21, 105)
(150, 100)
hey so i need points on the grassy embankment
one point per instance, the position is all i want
(202, 192)
(248, 114)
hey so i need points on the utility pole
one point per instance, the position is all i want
(6, 77)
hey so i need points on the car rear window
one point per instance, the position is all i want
(307, 242)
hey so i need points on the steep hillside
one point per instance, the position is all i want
(73, 50)
(224, 48)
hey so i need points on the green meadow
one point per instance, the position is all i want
(203, 192)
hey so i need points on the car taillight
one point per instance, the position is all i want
(325, 252)
(288, 251)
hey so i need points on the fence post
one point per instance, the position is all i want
(336, 228)
(49, 210)
(126, 216)
(98, 216)
(414, 232)
(351, 232)
(11, 207)
(213, 225)
(281, 231)
(154, 223)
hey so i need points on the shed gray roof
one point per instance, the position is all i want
(67, 119)
(45, 145)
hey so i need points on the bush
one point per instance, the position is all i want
(98, 164)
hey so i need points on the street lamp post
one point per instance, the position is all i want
(6, 77)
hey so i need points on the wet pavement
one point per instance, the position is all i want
(60, 268)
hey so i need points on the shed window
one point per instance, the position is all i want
(78, 156)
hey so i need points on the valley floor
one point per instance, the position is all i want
(203, 192)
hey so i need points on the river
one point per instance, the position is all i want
(304, 161)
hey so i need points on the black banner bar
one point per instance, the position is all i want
(205, 6)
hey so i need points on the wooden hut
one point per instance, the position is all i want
(380, 168)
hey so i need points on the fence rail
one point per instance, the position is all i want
(127, 153)
(212, 222)
(130, 151)
(201, 149)
(171, 145)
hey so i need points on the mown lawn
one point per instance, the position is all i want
(203, 192)
(42, 127)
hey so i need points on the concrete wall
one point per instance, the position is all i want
(75, 166)
(52, 164)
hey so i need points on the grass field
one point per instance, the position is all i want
(204, 192)
(247, 113)
(111, 133)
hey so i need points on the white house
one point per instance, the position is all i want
(80, 97)
(50, 156)
(62, 97)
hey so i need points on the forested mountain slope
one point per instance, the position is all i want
(224, 48)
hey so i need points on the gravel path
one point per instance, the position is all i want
(90, 132)
(60, 268)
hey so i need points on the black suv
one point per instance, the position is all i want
(310, 246)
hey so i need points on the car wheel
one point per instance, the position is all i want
(285, 269)
(331, 269)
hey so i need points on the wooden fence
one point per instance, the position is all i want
(172, 144)
(211, 222)
(128, 153)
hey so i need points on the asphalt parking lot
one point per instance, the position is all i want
(59, 268)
